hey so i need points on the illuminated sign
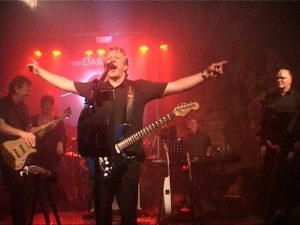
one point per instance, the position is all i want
(87, 61)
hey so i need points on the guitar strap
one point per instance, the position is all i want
(129, 103)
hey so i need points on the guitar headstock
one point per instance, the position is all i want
(185, 108)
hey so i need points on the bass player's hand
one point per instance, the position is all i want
(28, 137)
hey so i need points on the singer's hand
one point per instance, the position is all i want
(216, 69)
(34, 66)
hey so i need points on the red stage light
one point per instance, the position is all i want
(89, 53)
(101, 52)
(144, 49)
(184, 168)
(56, 53)
(164, 47)
(37, 53)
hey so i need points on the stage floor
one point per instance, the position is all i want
(145, 217)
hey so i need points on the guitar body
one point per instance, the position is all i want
(15, 153)
(116, 164)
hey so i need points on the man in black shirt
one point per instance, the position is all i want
(199, 146)
(198, 142)
(14, 123)
(280, 130)
(120, 101)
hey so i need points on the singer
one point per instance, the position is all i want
(126, 107)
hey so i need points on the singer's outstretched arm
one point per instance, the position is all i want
(54, 79)
(191, 81)
(173, 87)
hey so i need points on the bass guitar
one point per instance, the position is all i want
(15, 152)
(110, 164)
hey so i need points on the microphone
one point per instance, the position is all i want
(110, 66)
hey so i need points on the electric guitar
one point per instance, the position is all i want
(109, 165)
(15, 152)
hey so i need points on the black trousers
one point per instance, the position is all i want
(124, 187)
(280, 182)
(21, 190)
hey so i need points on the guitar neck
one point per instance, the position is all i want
(144, 132)
(42, 132)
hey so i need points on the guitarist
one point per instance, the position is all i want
(15, 122)
(114, 111)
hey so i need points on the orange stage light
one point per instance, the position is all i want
(37, 53)
(56, 53)
(89, 53)
(164, 47)
(144, 49)
(101, 52)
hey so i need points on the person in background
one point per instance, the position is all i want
(199, 146)
(52, 145)
(50, 149)
(197, 141)
(280, 138)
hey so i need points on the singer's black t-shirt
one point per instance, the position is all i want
(113, 107)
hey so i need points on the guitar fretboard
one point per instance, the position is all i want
(42, 132)
(145, 131)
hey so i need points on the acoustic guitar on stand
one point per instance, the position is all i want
(167, 198)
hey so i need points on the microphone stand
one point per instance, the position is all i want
(90, 101)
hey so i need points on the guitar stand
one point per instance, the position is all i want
(164, 217)
(44, 177)
(165, 206)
